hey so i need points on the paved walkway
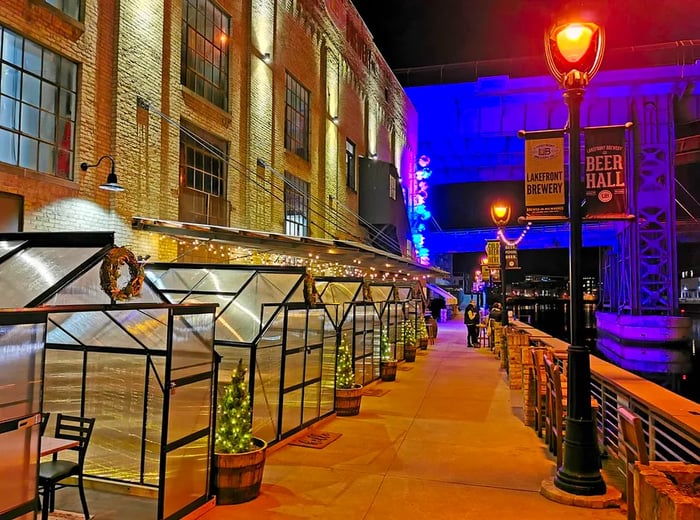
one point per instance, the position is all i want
(446, 442)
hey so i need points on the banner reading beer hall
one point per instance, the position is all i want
(606, 192)
(544, 176)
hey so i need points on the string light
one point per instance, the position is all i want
(513, 243)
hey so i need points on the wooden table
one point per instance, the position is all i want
(51, 445)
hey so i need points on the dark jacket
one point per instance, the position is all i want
(495, 314)
(471, 315)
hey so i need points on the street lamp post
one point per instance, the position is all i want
(500, 214)
(574, 52)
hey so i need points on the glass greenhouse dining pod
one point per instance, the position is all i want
(396, 302)
(358, 321)
(117, 363)
(289, 346)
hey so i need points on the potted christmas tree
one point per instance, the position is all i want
(422, 334)
(387, 363)
(348, 394)
(239, 457)
(408, 333)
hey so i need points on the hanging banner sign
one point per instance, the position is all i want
(606, 189)
(544, 176)
(493, 252)
(511, 257)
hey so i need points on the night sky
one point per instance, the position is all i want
(432, 32)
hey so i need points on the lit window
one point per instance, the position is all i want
(37, 106)
(69, 7)
(203, 181)
(350, 164)
(392, 187)
(296, 127)
(296, 205)
(205, 34)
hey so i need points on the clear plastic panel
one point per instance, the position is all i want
(84, 290)
(91, 328)
(57, 336)
(341, 292)
(293, 370)
(221, 300)
(185, 476)
(175, 279)
(63, 381)
(328, 374)
(154, 423)
(317, 318)
(404, 293)
(268, 312)
(296, 329)
(21, 347)
(193, 345)
(190, 409)
(313, 364)
(298, 295)
(380, 293)
(266, 400)
(224, 280)
(321, 288)
(7, 246)
(291, 411)
(241, 321)
(312, 402)
(114, 397)
(29, 273)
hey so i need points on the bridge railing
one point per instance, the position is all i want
(671, 422)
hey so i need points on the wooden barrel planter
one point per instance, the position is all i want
(423, 343)
(238, 476)
(409, 352)
(388, 370)
(347, 400)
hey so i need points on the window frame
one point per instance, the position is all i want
(297, 117)
(208, 78)
(60, 5)
(392, 187)
(351, 164)
(188, 142)
(38, 106)
(296, 197)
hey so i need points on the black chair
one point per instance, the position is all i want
(52, 473)
(44, 422)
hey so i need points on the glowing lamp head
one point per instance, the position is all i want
(500, 213)
(573, 40)
(574, 52)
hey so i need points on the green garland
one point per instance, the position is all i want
(234, 433)
(344, 375)
(422, 329)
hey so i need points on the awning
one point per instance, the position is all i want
(344, 252)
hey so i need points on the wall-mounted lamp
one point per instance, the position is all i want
(112, 184)
(267, 58)
(335, 120)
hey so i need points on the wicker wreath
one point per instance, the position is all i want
(110, 271)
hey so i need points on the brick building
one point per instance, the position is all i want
(266, 115)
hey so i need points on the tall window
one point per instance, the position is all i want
(296, 206)
(69, 7)
(203, 190)
(296, 128)
(205, 34)
(350, 163)
(37, 106)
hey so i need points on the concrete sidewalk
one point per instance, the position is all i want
(447, 441)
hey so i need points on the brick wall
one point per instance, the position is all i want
(129, 50)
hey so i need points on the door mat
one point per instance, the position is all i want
(375, 392)
(67, 515)
(317, 440)
(405, 368)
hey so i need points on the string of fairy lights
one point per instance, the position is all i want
(513, 243)
(314, 264)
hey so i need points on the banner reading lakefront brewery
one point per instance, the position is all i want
(606, 190)
(544, 176)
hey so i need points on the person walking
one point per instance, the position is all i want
(471, 320)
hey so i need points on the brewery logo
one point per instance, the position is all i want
(605, 196)
(545, 151)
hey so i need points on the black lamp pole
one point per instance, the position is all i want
(502, 250)
(574, 52)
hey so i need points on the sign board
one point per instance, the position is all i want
(493, 252)
(606, 190)
(511, 257)
(544, 176)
